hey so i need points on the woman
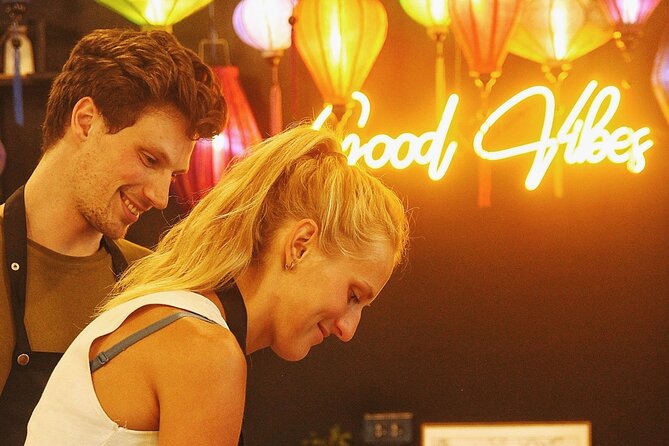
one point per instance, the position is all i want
(299, 240)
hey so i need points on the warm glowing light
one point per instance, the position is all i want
(585, 139)
(559, 23)
(322, 116)
(630, 11)
(155, 11)
(432, 14)
(339, 42)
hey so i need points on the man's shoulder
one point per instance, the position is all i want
(132, 251)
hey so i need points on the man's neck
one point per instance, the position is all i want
(55, 223)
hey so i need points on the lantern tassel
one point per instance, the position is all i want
(440, 76)
(276, 116)
(485, 84)
(293, 68)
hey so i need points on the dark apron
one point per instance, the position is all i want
(235, 317)
(30, 370)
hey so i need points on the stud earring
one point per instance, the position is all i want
(289, 267)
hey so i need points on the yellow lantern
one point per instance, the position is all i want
(432, 14)
(554, 33)
(155, 14)
(339, 41)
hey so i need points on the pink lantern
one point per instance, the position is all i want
(211, 157)
(628, 17)
(660, 76)
(265, 25)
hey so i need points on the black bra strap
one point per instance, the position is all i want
(109, 354)
(235, 313)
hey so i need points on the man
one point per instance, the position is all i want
(121, 122)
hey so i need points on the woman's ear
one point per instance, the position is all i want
(302, 238)
(83, 113)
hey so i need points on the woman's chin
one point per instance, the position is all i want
(291, 354)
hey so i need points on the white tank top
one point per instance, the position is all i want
(69, 412)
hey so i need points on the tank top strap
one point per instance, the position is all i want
(109, 354)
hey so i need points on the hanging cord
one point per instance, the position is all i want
(293, 67)
(15, 11)
(439, 75)
(276, 113)
(485, 83)
(212, 57)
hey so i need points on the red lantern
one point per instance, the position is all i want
(211, 157)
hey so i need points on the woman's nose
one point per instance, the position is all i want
(346, 325)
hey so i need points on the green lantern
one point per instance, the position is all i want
(155, 14)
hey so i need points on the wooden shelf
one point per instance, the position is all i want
(30, 79)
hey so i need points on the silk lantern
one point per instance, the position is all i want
(265, 25)
(660, 75)
(155, 14)
(339, 41)
(433, 15)
(210, 158)
(482, 29)
(628, 17)
(554, 33)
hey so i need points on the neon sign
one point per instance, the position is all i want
(585, 139)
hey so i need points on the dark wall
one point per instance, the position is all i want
(537, 308)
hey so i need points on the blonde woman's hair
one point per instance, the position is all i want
(300, 173)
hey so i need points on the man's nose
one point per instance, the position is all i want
(157, 191)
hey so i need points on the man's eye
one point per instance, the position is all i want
(352, 298)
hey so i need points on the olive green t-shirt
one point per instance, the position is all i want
(62, 294)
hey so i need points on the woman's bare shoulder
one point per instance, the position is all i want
(200, 379)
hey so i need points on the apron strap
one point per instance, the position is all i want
(16, 257)
(119, 263)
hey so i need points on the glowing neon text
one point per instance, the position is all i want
(584, 139)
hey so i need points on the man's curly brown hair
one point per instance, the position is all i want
(126, 71)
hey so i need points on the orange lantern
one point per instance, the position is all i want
(339, 41)
(433, 15)
(482, 29)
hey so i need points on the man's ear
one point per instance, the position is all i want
(302, 238)
(83, 114)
